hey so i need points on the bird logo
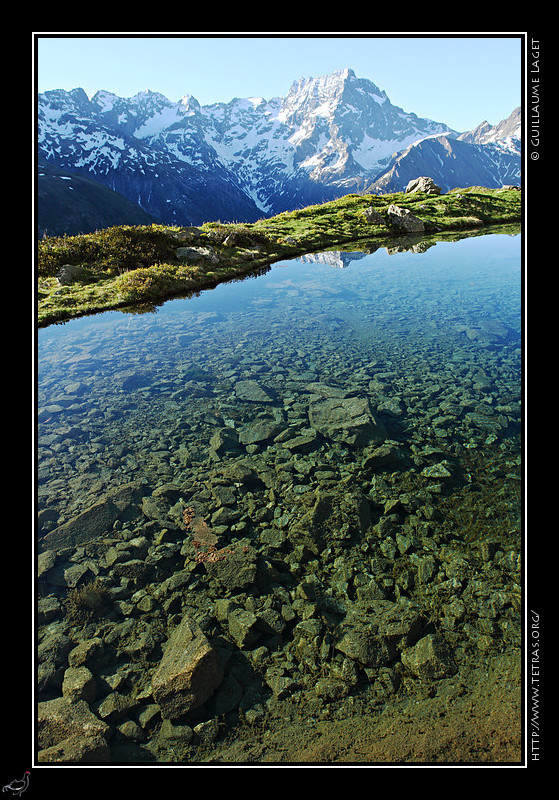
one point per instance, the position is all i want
(17, 787)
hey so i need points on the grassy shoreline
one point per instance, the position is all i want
(139, 267)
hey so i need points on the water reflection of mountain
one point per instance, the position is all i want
(342, 258)
(334, 258)
(400, 244)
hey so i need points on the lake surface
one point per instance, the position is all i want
(115, 390)
(393, 376)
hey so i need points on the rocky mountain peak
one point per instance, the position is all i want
(189, 103)
(328, 136)
(484, 133)
(326, 95)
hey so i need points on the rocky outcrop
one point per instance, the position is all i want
(404, 219)
(71, 273)
(194, 254)
(423, 184)
(373, 217)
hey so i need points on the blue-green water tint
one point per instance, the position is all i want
(432, 339)
(416, 537)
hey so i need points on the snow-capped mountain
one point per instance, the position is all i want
(453, 162)
(75, 135)
(185, 163)
(507, 133)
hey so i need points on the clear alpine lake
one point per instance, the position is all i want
(346, 425)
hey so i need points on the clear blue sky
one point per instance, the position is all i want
(458, 79)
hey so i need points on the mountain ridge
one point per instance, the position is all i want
(451, 163)
(184, 163)
(69, 204)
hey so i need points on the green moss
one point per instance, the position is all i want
(126, 265)
(113, 250)
(147, 283)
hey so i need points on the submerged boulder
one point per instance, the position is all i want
(253, 392)
(97, 520)
(188, 673)
(375, 633)
(430, 659)
(346, 419)
(68, 731)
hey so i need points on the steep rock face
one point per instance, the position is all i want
(351, 122)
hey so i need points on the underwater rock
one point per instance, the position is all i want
(79, 684)
(361, 644)
(387, 455)
(234, 567)
(68, 731)
(430, 658)
(253, 392)
(188, 673)
(77, 749)
(135, 380)
(373, 633)
(243, 627)
(97, 520)
(94, 521)
(259, 431)
(225, 441)
(310, 529)
(441, 470)
(346, 419)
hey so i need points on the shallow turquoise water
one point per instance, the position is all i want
(124, 396)
(381, 390)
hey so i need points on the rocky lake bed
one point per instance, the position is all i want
(285, 530)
